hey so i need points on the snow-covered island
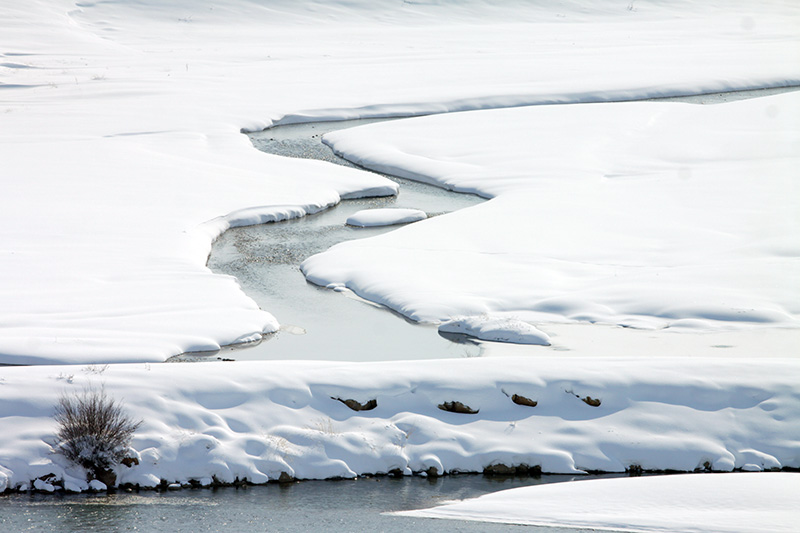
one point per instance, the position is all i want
(649, 223)
(385, 217)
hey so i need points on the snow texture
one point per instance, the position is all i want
(496, 329)
(646, 214)
(254, 420)
(733, 503)
(385, 217)
(122, 157)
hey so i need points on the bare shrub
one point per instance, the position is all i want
(93, 430)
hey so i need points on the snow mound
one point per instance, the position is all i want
(500, 329)
(715, 503)
(261, 421)
(385, 217)
(98, 486)
(622, 214)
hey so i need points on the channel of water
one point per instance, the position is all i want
(310, 506)
(318, 323)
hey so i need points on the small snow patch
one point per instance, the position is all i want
(496, 329)
(751, 467)
(71, 486)
(43, 486)
(98, 486)
(385, 217)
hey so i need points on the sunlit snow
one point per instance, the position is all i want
(122, 158)
(673, 503)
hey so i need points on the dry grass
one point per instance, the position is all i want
(93, 429)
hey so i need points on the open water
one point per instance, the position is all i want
(309, 506)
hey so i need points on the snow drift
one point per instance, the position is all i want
(259, 420)
(642, 214)
(737, 503)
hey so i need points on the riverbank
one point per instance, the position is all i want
(258, 421)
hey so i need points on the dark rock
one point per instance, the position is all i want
(634, 470)
(522, 400)
(706, 467)
(130, 461)
(285, 478)
(594, 402)
(499, 470)
(105, 476)
(358, 406)
(458, 407)
(535, 470)
(521, 470)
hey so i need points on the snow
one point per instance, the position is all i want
(123, 158)
(496, 329)
(98, 486)
(43, 486)
(737, 503)
(385, 217)
(256, 420)
(645, 215)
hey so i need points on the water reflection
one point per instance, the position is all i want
(311, 506)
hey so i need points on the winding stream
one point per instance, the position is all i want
(317, 323)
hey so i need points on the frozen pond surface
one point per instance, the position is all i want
(310, 506)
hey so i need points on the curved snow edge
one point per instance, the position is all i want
(497, 329)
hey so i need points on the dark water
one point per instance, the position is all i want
(309, 506)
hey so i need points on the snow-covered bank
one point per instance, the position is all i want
(121, 119)
(563, 415)
(640, 214)
(735, 503)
